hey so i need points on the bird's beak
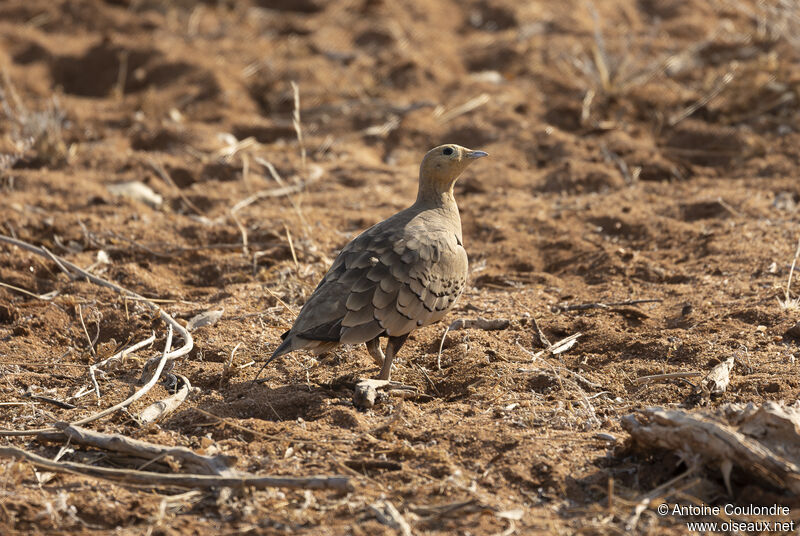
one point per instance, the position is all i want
(476, 154)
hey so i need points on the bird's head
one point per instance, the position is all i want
(443, 164)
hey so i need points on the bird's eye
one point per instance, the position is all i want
(448, 151)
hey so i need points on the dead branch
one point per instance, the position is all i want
(759, 442)
(148, 478)
(67, 266)
(219, 465)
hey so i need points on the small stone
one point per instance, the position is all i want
(138, 191)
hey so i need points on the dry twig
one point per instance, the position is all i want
(598, 305)
(119, 355)
(164, 174)
(148, 478)
(388, 515)
(668, 376)
(490, 324)
(211, 465)
(138, 394)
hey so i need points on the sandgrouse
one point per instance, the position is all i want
(400, 274)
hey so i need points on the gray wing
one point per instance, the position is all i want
(385, 283)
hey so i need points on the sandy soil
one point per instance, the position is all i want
(640, 150)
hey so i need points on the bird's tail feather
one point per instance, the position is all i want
(284, 348)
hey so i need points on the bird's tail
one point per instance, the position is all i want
(283, 348)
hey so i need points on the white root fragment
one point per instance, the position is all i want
(158, 410)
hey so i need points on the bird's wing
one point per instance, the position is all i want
(389, 280)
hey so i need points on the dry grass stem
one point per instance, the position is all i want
(720, 85)
(291, 248)
(85, 331)
(472, 104)
(298, 129)
(47, 296)
(668, 376)
(165, 176)
(242, 231)
(789, 302)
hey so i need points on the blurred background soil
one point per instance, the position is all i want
(640, 150)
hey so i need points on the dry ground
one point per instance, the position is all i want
(640, 150)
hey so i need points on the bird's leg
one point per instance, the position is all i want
(374, 349)
(392, 347)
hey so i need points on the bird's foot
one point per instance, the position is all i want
(366, 392)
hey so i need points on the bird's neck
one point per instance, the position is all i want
(433, 195)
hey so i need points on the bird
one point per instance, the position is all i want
(401, 274)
